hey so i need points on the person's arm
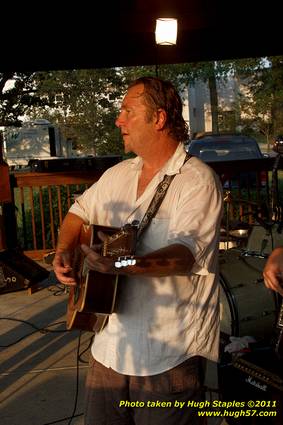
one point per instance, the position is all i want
(67, 242)
(273, 271)
(175, 259)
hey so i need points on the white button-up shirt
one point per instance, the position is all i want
(161, 321)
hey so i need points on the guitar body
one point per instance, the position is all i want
(94, 298)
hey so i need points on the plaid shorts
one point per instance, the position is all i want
(162, 399)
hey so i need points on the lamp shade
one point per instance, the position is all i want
(166, 31)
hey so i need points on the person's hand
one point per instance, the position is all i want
(62, 264)
(273, 271)
(94, 261)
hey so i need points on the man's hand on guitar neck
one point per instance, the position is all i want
(95, 261)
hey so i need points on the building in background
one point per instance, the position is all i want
(197, 106)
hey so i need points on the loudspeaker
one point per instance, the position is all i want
(255, 377)
(17, 271)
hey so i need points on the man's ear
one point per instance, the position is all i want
(161, 118)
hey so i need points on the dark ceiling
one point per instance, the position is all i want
(121, 33)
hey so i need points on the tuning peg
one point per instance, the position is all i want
(132, 261)
(124, 262)
(118, 263)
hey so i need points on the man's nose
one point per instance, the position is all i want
(120, 120)
(117, 122)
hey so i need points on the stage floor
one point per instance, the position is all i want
(38, 369)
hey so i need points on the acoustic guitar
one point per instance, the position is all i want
(94, 297)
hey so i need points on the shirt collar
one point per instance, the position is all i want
(175, 163)
(172, 166)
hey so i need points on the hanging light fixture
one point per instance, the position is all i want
(166, 31)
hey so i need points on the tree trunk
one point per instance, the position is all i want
(277, 106)
(213, 100)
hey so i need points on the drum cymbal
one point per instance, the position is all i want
(239, 233)
(236, 229)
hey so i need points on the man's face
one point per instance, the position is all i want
(136, 128)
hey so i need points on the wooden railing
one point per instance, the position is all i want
(42, 199)
(41, 202)
(248, 185)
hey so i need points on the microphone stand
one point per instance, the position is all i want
(228, 200)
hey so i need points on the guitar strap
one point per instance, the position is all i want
(156, 201)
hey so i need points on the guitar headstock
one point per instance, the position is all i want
(123, 242)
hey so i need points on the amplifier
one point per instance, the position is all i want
(97, 163)
(264, 371)
(256, 376)
(17, 271)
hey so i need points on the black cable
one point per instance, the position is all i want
(85, 350)
(79, 359)
(57, 289)
(63, 419)
(37, 329)
(73, 415)
(77, 380)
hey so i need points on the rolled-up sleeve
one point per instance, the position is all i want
(197, 222)
(83, 204)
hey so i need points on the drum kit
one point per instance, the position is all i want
(247, 307)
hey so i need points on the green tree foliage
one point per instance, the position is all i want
(210, 72)
(84, 105)
(18, 92)
(260, 101)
